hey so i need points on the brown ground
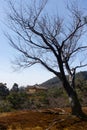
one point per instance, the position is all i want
(51, 119)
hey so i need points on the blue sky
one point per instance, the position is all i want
(35, 74)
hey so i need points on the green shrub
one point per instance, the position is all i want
(19, 100)
(5, 106)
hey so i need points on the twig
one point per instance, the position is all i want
(54, 122)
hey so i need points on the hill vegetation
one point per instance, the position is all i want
(18, 99)
(55, 81)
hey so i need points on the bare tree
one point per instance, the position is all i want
(51, 42)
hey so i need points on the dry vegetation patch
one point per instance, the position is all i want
(41, 120)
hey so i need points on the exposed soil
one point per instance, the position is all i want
(49, 119)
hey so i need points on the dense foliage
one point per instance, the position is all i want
(18, 99)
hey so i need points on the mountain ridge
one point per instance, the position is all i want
(55, 81)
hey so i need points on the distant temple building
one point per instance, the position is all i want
(35, 88)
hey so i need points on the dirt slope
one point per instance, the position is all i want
(49, 119)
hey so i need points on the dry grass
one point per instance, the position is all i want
(51, 119)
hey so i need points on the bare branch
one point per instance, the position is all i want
(78, 49)
(80, 66)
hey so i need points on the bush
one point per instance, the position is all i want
(5, 106)
(19, 100)
(3, 91)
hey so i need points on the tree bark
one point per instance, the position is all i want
(75, 105)
(76, 108)
(70, 90)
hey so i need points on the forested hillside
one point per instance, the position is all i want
(19, 98)
(55, 82)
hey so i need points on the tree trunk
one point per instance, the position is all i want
(73, 99)
(75, 105)
(70, 90)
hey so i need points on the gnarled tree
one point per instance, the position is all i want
(52, 42)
